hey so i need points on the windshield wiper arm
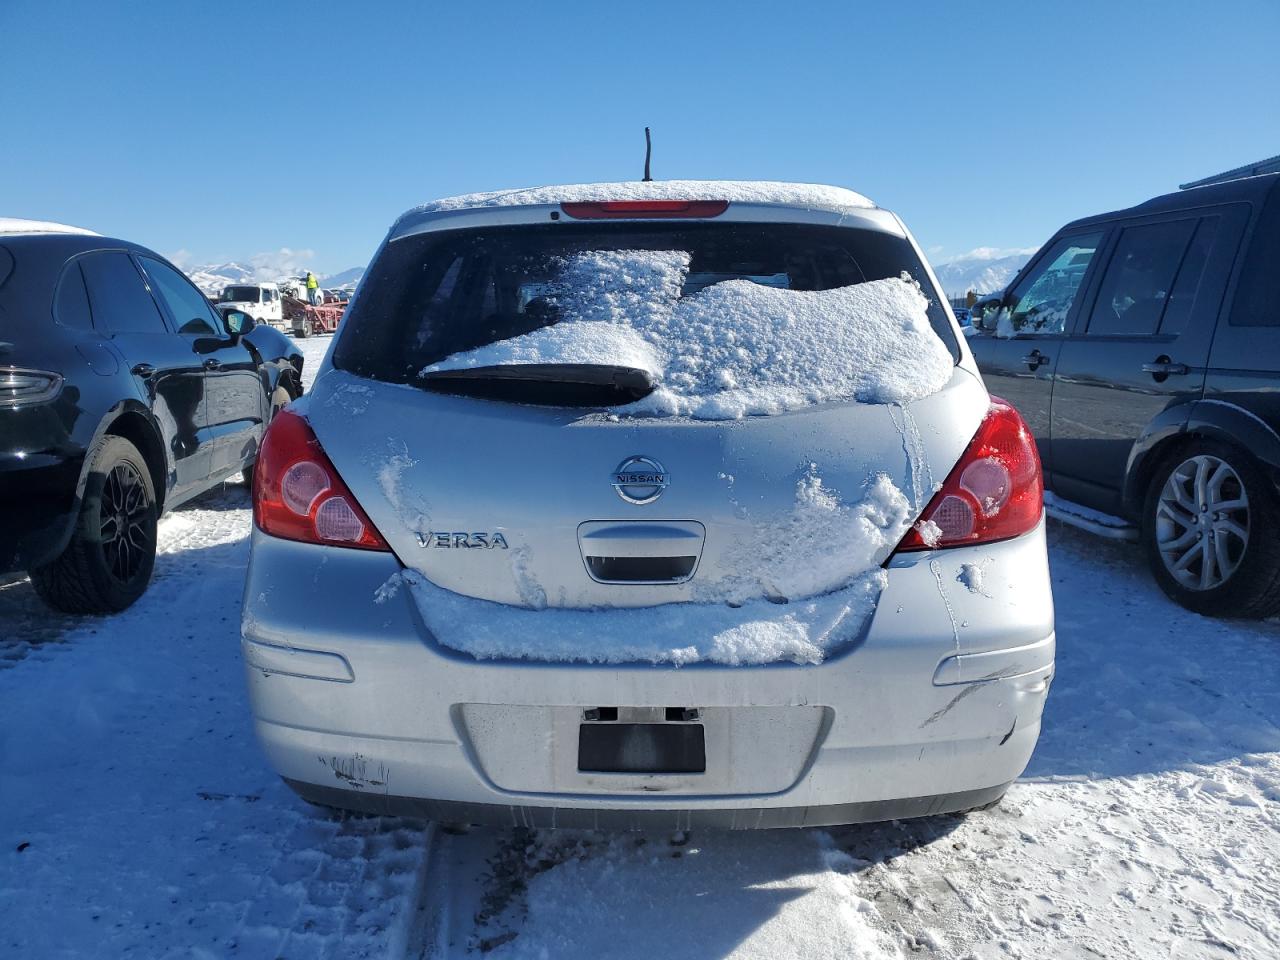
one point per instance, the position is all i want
(588, 374)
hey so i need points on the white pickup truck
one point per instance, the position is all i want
(260, 300)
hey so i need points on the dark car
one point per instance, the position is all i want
(1143, 348)
(123, 393)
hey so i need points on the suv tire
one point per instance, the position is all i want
(1207, 525)
(107, 564)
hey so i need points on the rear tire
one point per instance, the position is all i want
(107, 564)
(1208, 525)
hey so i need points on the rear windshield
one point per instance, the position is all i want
(433, 296)
(240, 295)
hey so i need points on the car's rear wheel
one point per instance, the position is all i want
(1208, 526)
(108, 562)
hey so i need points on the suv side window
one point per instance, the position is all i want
(191, 312)
(1186, 286)
(71, 302)
(1257, 299)
(1043, 299)
(119, 296)
(1139, 278)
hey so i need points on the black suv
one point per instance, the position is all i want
(122, 394)
(1143, 348)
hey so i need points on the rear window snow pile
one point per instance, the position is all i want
(728, 318)
(734, 348)
(823, 552)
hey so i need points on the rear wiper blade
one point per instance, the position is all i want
(589, 374)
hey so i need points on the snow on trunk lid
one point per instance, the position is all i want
(747, 617)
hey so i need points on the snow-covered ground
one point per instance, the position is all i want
(138, 819)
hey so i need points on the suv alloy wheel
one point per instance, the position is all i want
(108, 562)
(1208, 526)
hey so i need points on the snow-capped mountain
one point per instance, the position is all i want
(343, 280)
(982, 270)
(212, 277)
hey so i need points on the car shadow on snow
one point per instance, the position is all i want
(1143, 685)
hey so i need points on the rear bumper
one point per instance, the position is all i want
(37, 507)
(654, 820)
(936, 708)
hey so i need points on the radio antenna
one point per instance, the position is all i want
(648, 150)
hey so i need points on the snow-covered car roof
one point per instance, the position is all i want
(14, 225)
(809, 196)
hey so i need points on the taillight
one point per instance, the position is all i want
(19, 387)
(645, 209)
(994, 493)
(298, 495)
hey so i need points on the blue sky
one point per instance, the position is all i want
(229, 129)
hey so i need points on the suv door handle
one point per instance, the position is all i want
(143, 370)
(213, 363)
(1164, 367)
(1035, 359)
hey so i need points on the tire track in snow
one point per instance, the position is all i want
(518, 893)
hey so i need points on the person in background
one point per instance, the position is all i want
(313, 289)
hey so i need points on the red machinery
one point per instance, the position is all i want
(303, 319)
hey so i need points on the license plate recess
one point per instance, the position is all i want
(642, 748)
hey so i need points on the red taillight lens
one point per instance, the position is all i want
(645, 209)
(298, 495)
(994, 493)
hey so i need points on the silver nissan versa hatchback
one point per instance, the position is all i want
(649, 505)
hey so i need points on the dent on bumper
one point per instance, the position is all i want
(942, 696)
(291, 661)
